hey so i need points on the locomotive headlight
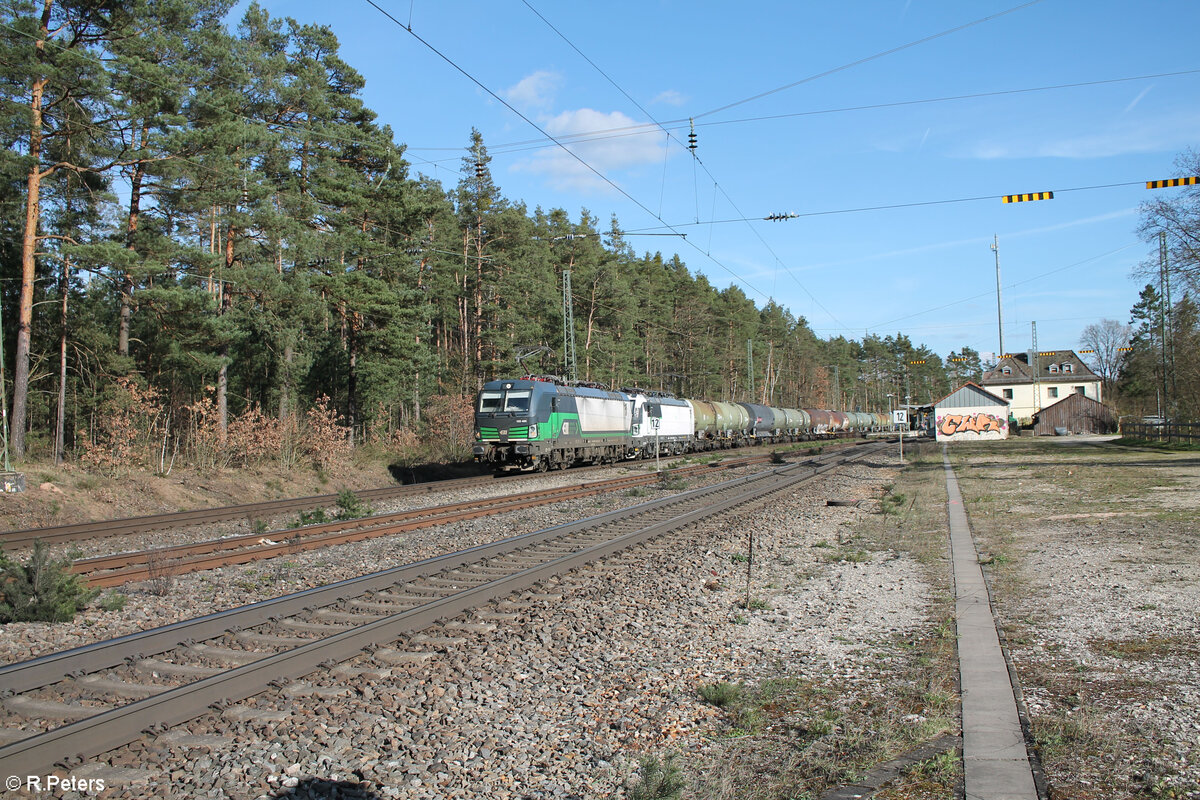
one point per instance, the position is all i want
(533, 431)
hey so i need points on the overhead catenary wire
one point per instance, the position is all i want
(554, 139)
(867, 59)
(887, 207)
(695, 160)
(1011, 285)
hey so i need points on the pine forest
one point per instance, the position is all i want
(214, 253)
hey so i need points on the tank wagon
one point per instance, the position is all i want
(544, 422)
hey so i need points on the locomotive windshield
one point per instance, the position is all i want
(515, 401)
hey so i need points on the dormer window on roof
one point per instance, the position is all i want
(1067, 368)
(1053, 369)
(1007, 370)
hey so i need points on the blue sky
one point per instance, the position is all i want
(863, 123)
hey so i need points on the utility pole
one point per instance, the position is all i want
(999, 313)
(1164, 321)
(568, 329)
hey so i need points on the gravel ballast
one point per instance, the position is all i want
(558, 691)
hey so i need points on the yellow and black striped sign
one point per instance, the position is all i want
(1021, 198)
(1192, 181)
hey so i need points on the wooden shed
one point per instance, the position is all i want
(1074, 414)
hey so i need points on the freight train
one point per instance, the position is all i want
(542, 422)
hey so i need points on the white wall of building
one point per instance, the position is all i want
(1023, 403)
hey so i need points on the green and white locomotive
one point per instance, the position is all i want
(539, 424)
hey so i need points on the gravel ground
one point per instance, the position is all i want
(554, 692)
(1097, 586)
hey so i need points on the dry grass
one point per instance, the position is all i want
(1078, 533)
(792, 736)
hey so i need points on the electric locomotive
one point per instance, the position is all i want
(537, 423)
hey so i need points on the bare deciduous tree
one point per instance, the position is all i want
(1105, 340)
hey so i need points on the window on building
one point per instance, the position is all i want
(1008, 394)
(1080, 390)
(1053, 390)
(1068, 368)
(1007, 370)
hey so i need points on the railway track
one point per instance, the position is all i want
(82, 531)
(65, 707)
(121, 568)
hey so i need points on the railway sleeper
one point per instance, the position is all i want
(353, 673)
(423, 591)
(177, 738)
(388, 655)
(155, 668)
(385, 609)
(270, 639)
(37, 708)
(456, 582)
(343, 616)
(470, 627)
(111, 686)
(225, 654)
(251, 714)
(315, 690)
(318, 628)
(433, 640)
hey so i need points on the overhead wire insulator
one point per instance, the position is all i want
(781, 216)
(692, 135)
(479, 170)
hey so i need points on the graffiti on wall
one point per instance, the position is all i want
(952, 424)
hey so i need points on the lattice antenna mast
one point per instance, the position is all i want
(750, 367)
(570, 368)
(999, 312)
(1037, 373)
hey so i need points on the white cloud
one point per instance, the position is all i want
(534, 91)
(608, 153)
(670, 97)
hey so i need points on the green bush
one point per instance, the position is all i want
(113, 602)
(721, 694)
(351, 506)
(658, 780)
(41, 589)
(310, 518)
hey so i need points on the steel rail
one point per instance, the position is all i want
(201, 516)
(110, 729)
(121, 568)
(97, 529)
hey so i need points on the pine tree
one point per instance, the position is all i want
(51, 63)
